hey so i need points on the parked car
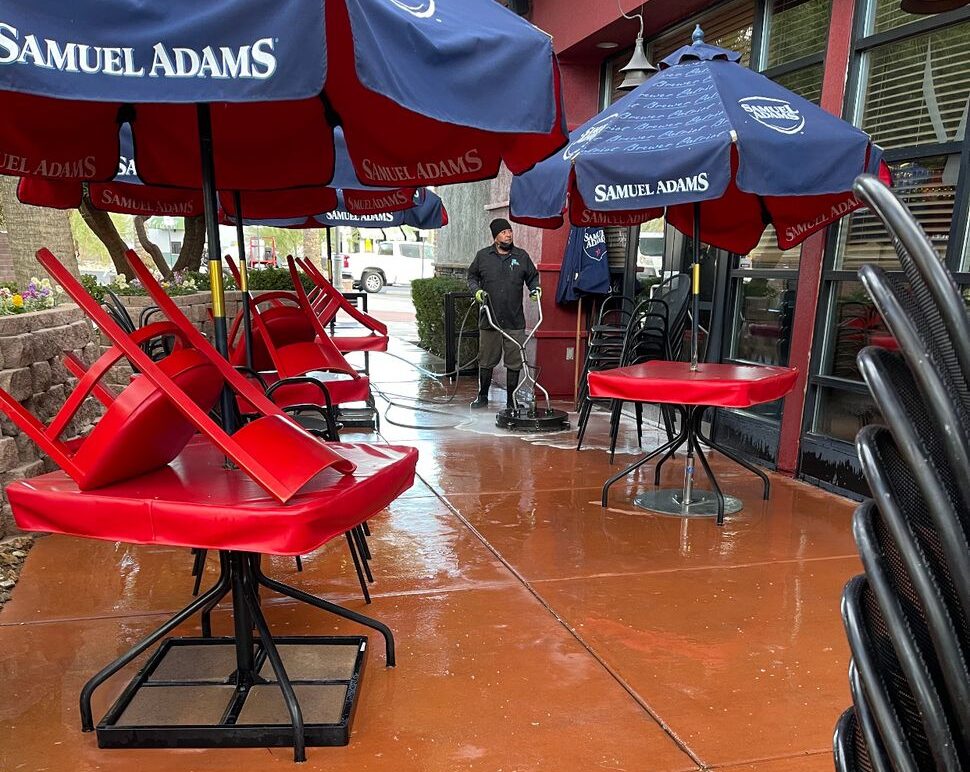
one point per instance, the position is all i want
(394, 262)
(650, 254)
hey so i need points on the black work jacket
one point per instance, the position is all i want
(502, 277)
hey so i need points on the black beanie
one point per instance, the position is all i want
(499, 225)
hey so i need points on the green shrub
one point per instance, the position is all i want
(275, 279)
(429, 308)
(94, 289)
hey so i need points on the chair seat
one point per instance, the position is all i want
(197, 502)
(342, 387)
(719, 385)
(348, 343)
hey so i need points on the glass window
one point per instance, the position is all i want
(767, 254)
(411, 250)
(888, 15)
(841, 413)
(806, 82)
(650, 249)
(918, 89)
(385, 248)
(429, 251)
(728, 26)
(854, 324)
(796, 28)
(928, 190)
(763, 320)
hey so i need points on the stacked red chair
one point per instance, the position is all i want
(157, 469)
(327, 302)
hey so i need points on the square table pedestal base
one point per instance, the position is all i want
(186, 695)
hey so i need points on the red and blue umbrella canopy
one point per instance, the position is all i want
(128, 194)
(705, 130)
(428, 92)
(427, 213)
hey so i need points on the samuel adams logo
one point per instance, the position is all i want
(776, 114)
(419, 8)
(576, 147)
(594, 243)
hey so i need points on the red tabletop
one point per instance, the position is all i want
(196, 502)
(718, 385)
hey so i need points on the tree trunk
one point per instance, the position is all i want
(31, 227)
(313, 246)
(151, 247)
(190, 256)
(102, 226)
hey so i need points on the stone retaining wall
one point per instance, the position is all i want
(31, 372)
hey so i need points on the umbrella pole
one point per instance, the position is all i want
(695, 288)
(244, 281)
(330, 259)
(579, 316)
(215, 253)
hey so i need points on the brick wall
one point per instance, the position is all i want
(31, 372)
(6, 259)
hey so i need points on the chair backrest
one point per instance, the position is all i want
(919, 511)
(908, 631)
(933, 287)
(675, 292)
(331, 301)
(331, 354)
(141, 430)
(276, 453)
(922, 410)
(282, 320)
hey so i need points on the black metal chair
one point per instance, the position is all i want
(907, 618)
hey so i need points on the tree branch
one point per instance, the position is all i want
(151, 247)
(101, 225)
(190, 256)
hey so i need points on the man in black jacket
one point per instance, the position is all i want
(496, 276)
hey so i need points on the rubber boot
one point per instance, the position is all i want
(512, 381)
(484, 382)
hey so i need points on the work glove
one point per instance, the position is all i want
(480, 296)
(536, 294)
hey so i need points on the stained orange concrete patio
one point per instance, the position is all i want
(535, 629)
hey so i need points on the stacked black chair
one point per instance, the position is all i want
(656, 331)
(603, 352)
(907, 617)
(626, 334)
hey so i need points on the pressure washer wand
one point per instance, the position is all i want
(529, 377)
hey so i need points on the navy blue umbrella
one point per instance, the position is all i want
(719, 148)
(585, 266)
(426, 213)
(243, 95)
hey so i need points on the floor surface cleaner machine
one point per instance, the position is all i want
(525, 415)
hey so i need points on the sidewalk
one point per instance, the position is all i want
(536, 631)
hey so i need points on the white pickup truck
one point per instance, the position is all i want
(394, 262)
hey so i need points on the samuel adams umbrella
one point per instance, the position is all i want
(243, 94)
(427, 213)
(723, 150)
(585, 266)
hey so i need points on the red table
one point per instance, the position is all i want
(711, 385)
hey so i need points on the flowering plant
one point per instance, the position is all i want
(179, 283)
(38, 295)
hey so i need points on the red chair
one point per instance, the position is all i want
(144, 475)
(327, 301)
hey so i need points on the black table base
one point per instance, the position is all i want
(238, 691)
(693, 437)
